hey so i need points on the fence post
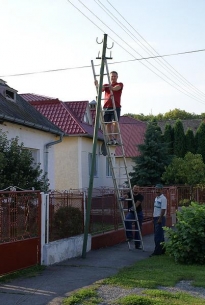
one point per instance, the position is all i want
(43, 224)
(84, 208)
(47, 209)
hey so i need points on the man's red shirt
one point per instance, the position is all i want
(116, 94)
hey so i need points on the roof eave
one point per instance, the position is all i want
(30, 124)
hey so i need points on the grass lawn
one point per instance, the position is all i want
(148, 274)
(28, 272)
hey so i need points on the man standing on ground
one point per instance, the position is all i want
(109, 116)
(159, 215)
(138, 198)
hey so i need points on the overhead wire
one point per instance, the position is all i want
(165, 62)
(112, 63)
(173, 84)
(135, 59)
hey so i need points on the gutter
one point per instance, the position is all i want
(30, 124)
(46, 147)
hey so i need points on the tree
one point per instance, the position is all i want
(153, 158)
(168, 138)
(170, 115)
(188, 170)
(190, 141)
(179, 114)
(179, 139)
(18, 167)
(200, 140)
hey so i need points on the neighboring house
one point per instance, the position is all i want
(73, 156)
(19, 119)
(132, 132)
(193, 124)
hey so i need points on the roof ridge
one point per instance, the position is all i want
(72, 114)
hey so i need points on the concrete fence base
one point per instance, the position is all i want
(60, 250)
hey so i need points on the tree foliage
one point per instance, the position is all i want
(188, 170)
(168, 137)
(186, 242)
(68, 221)
(150, 164)
(170, 115)
(17, 166)
(190, 141)
(179, 114)
(200, 140)
(179, 145)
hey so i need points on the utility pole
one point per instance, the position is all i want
(95, 137)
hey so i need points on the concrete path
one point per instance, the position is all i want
(58, 280)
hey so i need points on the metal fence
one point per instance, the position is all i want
(20, 210)
(59, 201)
(19, 215)
(105, 215)
(186, 194)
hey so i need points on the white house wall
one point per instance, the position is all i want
(72, 166)
(67, 164)
(36, 140)
(100, 180)
(120, 165)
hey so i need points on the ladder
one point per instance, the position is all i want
(119, 172)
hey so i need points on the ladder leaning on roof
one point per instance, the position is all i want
(119, 172)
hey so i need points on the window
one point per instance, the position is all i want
(85, 119)
(90, 163)
(35, 154)
(10, 95)
(108, 168)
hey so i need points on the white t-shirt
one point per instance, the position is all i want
(160, 203)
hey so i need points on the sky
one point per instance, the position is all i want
(65, 35)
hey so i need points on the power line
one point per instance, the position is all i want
(135, 59)
(171, 84)
(115, 62)
(163, 63)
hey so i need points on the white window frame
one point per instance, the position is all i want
(108, 167)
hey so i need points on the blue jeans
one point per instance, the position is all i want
(159, 234)
(128, 226)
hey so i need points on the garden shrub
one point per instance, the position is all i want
(186, 241)
(68, 221)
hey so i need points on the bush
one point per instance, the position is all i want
(186, 242)
(184, 203)
(68, 221)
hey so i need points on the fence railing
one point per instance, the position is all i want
(105, 215)
(20, 211)
(19, 215)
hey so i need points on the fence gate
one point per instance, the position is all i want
(20, 223)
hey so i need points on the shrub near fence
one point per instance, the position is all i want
(66, 214)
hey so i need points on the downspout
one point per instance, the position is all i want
(46, 153)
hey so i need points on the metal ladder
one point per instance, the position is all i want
(119, 173)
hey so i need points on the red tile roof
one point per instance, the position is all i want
(132, 132)
(79, 108)
(68, 116)
(30, 97)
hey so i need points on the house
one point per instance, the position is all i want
(74, 154)
(19, 119)
(132, 133)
